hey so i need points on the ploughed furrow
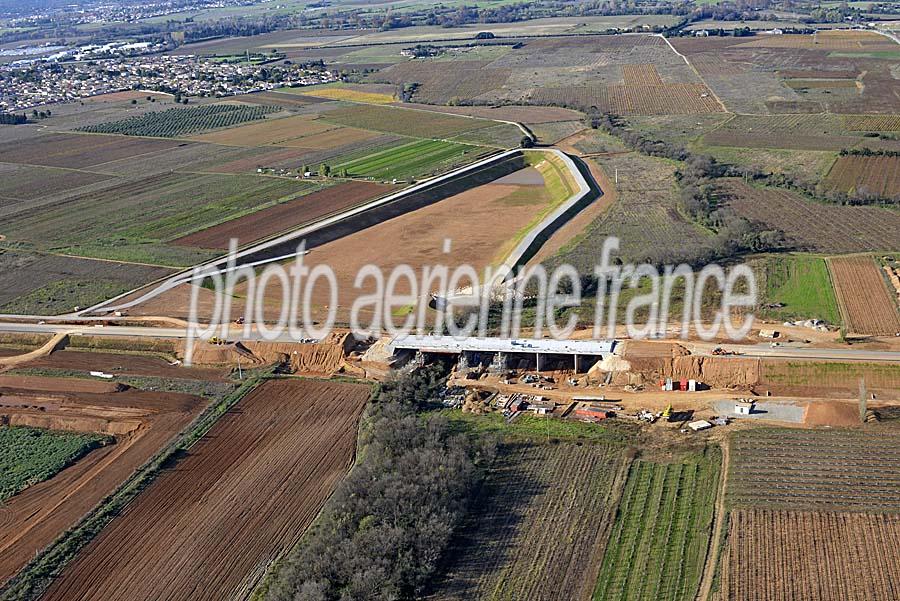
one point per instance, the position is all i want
(830, 556)
(208, 526)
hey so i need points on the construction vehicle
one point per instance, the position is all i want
(216, 340)
(667, 412)
(647, 416)
(719, 351)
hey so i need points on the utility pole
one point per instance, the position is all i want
(862, 400)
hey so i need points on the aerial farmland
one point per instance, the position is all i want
(252, 346)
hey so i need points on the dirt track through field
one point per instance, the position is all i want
(46, 349)
(712, 555)
(208, 527)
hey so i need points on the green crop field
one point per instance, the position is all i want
(421, 124)
(531, 427)
(658, 545)
(30, 455)
(173, 123)
(134, 221)
(421, 157)
(802, 284)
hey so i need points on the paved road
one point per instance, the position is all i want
(796, 352)
(92, 330)
(89, 329)
(699, 348)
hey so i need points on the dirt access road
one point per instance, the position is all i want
(715, 541)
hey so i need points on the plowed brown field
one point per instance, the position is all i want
(207, 528)
(78, 151)
(787, 555)
(876, 175)
(42, 384)
(142, 423)
(284, 216)
(123, 364)
(268, 131)
(867, 305)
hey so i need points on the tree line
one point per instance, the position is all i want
(868, 152)
(700, 194)
(13, 119)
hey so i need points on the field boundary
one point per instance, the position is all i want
(715, 540)
(33, 580)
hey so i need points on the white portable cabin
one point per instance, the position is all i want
(743, 408)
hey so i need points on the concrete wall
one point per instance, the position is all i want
(535, 239)
(402, 204)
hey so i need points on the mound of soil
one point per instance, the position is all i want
(832, 413)
(716, 372)
(325, 357)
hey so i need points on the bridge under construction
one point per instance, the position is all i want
(501, 353)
